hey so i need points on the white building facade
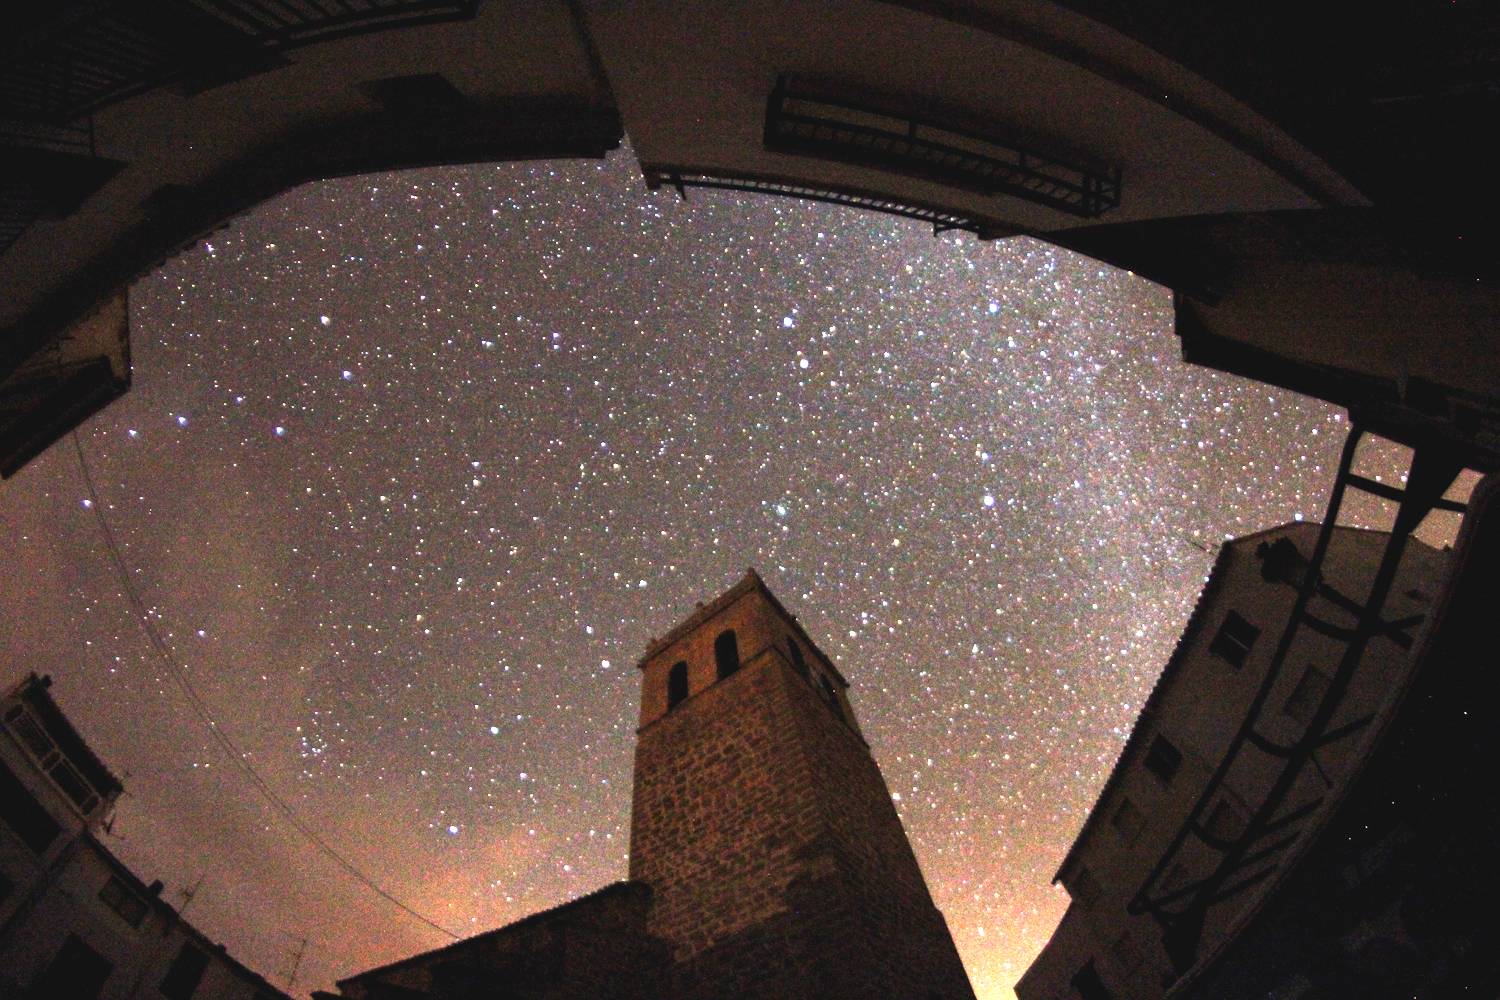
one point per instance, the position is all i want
(75, 923)
(1167, 859)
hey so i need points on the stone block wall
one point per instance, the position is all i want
(723, 801)
(778, 862)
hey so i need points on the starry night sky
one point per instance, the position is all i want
(415, 465)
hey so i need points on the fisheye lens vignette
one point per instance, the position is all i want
(416, 464)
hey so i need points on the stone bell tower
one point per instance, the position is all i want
(778, 863)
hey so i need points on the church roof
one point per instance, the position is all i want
(572, 909)
(749, 583)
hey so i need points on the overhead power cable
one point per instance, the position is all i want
(226, 745)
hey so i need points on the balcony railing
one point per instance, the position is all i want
(32, 734)
(941, 220)
(808, 124)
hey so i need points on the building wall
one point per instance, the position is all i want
(763, 824)
(759, 625)
(1396, 899)
(72, 904)
(140, 955)
(593, 948)
(721, 803)
(23, 867)
(1198, 706)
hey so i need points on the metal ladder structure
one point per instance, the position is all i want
(1256, 853)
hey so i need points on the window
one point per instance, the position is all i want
(77, 972)
(1308, 694)
(1234, 640)
(34, 735)
(1225, 822)
(799, 662)
(1163, 759)
(677, 689)
(727, 653)
(1128, 820)
(185, 974)
(24, 814)
(1088, 984)
(73, 785)
(31, 735)
(1083, 887)
(119, 897)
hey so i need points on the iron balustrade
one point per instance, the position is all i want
(942, 220)
(806, 124)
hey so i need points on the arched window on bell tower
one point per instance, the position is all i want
(677, 684)
(799, 663)
(727, 653)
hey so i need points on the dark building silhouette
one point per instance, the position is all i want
(766, 858)
(1299, 177)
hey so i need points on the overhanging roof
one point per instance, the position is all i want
(1325, 210)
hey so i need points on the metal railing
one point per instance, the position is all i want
(812, 125)
(941, 220)
(1256, 852)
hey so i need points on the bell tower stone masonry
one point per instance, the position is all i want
(778, 863)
